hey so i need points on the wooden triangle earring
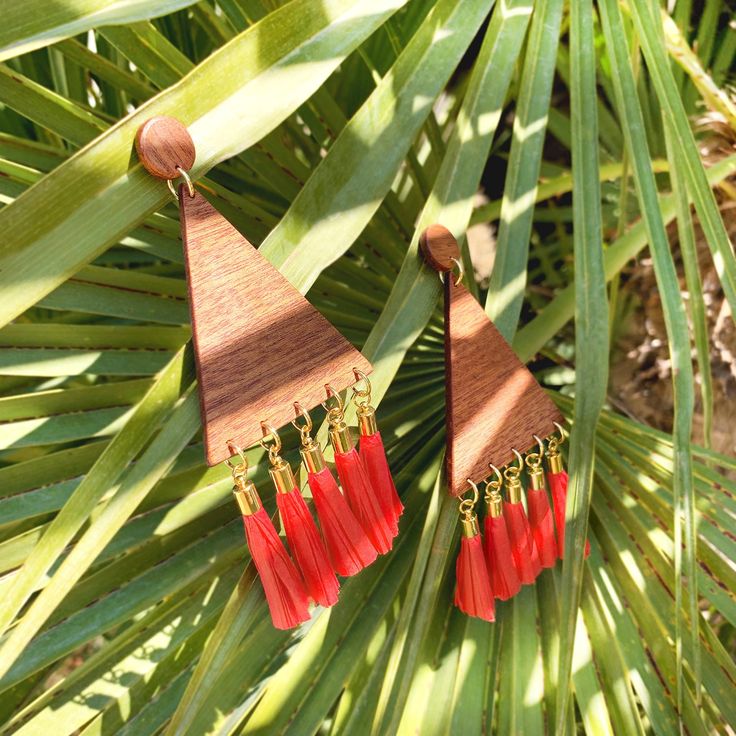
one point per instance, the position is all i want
(494, 411)
(259, 346)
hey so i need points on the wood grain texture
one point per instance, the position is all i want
(493, 402)
(162, 144)
(439, 247)
(259, 344)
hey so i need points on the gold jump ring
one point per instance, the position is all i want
(187, 180)
(270, 431)
(460, 272)
(242, 466)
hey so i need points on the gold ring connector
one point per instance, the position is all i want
(469, 520)
(511, 474)
(243, 489)
(304, 429)
(364, 393)
(334, 413)
(534, 459)
(273, 447)
(242, 466)
(187, 180)
(310, 451)
(460, 272)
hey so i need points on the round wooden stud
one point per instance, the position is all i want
(439, 247)
(163, 143)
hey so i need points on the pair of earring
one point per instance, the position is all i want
(355, 527)
(516, 544)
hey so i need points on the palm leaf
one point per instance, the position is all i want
(332, 134)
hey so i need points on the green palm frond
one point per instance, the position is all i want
(332, 133)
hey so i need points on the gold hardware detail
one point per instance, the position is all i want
(282, 476)
(534, 464)
(460, 272)
(188, 181)
(311, 452)
(362, 399)
(511, 474)
(244, 490)
(245, 494)
(340, 437)
(469, 520)
(554, 460)
(493, 497)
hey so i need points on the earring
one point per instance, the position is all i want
(493, 405)
(348, 547)
(373, 455)
(246, 317)
(558, 486)
(301, 532)
(354, 479)
(284, 589)
(501, 566)
(473, 594)
(539, 512)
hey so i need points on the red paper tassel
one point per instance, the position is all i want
(558, 486)
(501, 566)
(542, 525)
(473, 594)
(284, 589)
(363, 500)
(523, 549)
(307, 548)
(373, 455)
(348, 546)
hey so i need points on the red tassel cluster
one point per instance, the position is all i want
(518, 543)
(499, 565)
(355, 528)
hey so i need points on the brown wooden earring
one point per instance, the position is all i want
(258, 344)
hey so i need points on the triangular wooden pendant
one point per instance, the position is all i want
(493, 402)
(259, 344)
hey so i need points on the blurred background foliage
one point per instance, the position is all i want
(582, 152)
